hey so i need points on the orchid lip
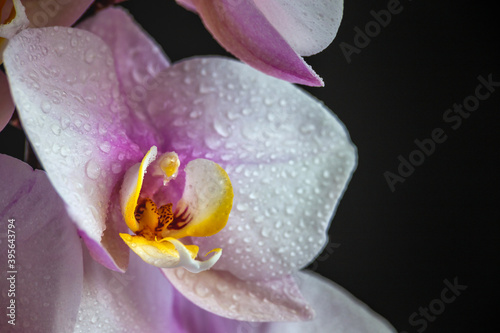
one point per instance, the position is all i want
(202, 211)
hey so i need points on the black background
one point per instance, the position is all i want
(394, 249)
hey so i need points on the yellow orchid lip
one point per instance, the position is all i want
(202, 211)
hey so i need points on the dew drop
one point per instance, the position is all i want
(201, 290)
(105, 146)
(89, 56)
(65, 150)
(116, 168)
(46, 106)
(93, 169)
(220, 129)
(56, 129)
(195, 114)
(180, 273)
(242, 207)
(306, 129)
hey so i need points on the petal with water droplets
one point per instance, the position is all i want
(288, 157)
(138, 58)
(225, 295)
(336, 311)
(64, 84)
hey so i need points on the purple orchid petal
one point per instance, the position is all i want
(69, 102)
(6, 102)
(308, 26)
(139, 300)
(48, 254)
(225, 295)
(138, 58)
(55, 13)
(289, 160)
(244, 31)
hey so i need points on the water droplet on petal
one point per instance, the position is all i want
(116, 168)
(105, 146)
(306, 129)
(56, 129)
(220, 128)
(242, 207)
(46, 106)
(89, 56)
(93, 169)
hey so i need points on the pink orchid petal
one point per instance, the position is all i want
(6, 102)
(244, 31)
(139, 300)
(225, 295)
(288, 157)
(48, 253)
(55, 13)
(336, 311)
(308, 26)
(64, 84)
(138, 58)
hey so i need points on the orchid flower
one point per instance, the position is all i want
(149, 155)
(272, 35)
(58, 287)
